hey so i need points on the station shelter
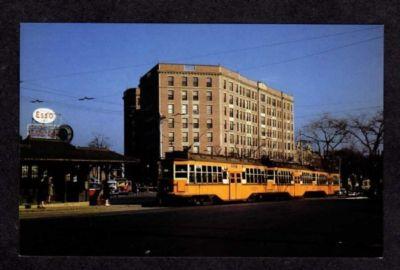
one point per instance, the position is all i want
(72, 168)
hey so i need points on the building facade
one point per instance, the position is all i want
(207, 109)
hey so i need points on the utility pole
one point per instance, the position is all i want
(340, 172)
(161, 119)
(301, 148)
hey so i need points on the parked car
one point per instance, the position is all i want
(124, 185)
(112, 184)
(354, 194)
(342, 192)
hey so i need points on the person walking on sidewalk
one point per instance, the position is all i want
(50, 189)
(106, 193)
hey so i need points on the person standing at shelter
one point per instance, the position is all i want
(50, 187)
(42, 191)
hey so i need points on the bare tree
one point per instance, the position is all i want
(326, 134)
(368, 132)
(99, 141)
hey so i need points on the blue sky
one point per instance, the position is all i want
(327, 68)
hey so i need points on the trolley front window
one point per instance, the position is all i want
(181, 171)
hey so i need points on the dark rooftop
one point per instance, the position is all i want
(55, 150)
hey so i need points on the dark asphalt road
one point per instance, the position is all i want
(312, 227)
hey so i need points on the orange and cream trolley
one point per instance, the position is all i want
(197, 177)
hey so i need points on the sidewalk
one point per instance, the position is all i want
(76, 209)
(52, 206)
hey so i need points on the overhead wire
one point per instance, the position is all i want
(100, 110)
(200, 55)
(228, 51)
(311, 54)
(61, 94)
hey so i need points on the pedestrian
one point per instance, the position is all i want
(106, 193)
(50, 189)
(30, 192)
(42, 192)
(137, 189)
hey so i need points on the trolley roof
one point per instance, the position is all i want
(182, 156)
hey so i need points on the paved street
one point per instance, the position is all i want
(307, 227)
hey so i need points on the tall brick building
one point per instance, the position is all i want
(207, 109)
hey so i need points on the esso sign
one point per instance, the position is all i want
(44, 115)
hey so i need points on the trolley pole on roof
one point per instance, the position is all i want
(301, 148)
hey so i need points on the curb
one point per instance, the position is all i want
(56, 205)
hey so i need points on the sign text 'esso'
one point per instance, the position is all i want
(44, 115)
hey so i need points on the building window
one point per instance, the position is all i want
(170, 94)
(184, 122)
(209, 149)
(231, 125)
(230, 99)
(184, 95)
(171, 137)
(195, 149)
(209, 95)
(224, 97)
(195, 95)
(224, 84)
(195, 81)
(262, 131)
(185, 137)
(170, 149)
(170, 81)
(209, 123)
(209, 109)
(170, 108)
(262, 109)
(230, 86)
(24, 171)
(35, 171)
(208, 82)
(209, 137)
(231, 112)
(195, 122)
(184, 109)
(195, 109)
(196, 137)
(184, 81)
(262, 120)
(231, 138)
(171, 122)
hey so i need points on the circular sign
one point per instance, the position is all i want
(44, 115)
(65, 133)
